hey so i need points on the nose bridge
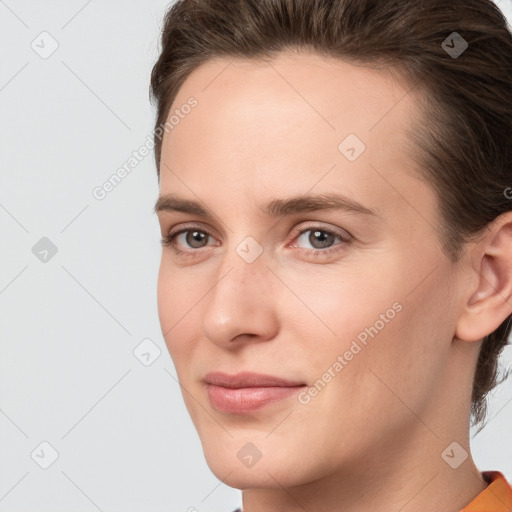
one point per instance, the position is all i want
(240, 301)
(243, 273)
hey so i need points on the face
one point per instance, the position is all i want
(353, 304)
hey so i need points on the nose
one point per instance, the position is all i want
(242, 304)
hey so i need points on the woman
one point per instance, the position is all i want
(336, 276)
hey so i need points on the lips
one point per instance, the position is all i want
(247, 392)
(248, 380)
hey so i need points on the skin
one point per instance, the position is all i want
(373, 438)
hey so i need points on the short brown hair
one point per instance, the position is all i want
(463, 140)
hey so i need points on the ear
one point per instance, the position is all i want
(489, 300)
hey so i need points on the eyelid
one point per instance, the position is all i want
(190, 226)
(344, 235)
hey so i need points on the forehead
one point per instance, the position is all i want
(337, 94)
(290, 122)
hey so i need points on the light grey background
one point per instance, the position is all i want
(69, 376)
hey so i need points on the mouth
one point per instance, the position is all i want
(247, 392)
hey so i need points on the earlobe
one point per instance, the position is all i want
(490, 302)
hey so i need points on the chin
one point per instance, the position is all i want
(258, 477)
(231, 463)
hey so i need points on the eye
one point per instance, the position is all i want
(322, 240)
(191, 237)
(195, 240)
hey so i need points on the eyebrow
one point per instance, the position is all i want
(273, 208)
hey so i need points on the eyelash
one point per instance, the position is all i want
(168, 241)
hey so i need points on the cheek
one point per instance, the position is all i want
(165, 298)
(340, 304)
(404, 362)
(372, 321)
(176, 297)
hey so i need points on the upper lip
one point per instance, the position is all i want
(248, 380)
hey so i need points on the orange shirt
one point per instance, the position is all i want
(496, 497)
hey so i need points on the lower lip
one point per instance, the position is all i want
(247, 400)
